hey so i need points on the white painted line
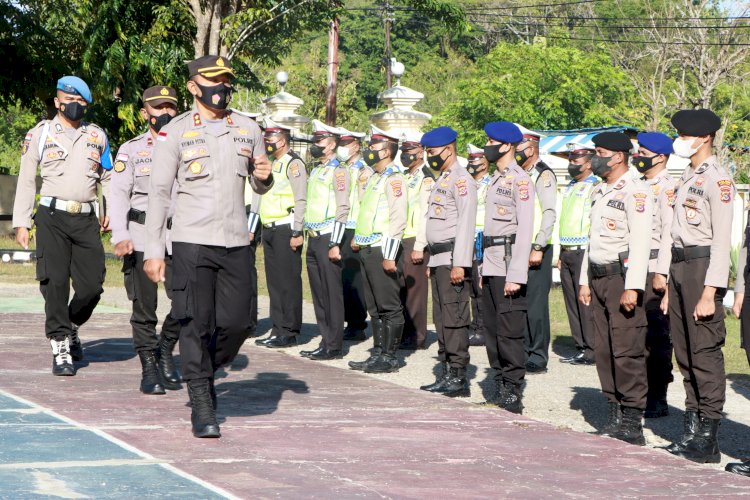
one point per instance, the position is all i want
(126, 446)
(78, 463)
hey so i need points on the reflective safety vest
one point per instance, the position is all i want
(374, 215)
(278, 202)
(321, 200)
(413, 191)
(534, 174)
(482, 186)
(575, 215)
(355, 169)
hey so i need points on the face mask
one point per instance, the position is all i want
(371, 157)
(521, 157)
(343, 153)
(436, 162)
(271, 147)
(73, 111)
(642, 163)
(407, 159)
(492, 153)
(157, 122)
(316, 151)
(574, 170)
(599, 165)
(684, 147)
(215, 96)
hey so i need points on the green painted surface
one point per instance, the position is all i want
(36, 305)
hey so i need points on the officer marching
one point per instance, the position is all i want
(613, 279)
(380, 229)
(325, 222)
(212, 153)
(451, 215)
(698, 278)
(282, 212)
(128, 196)
(575, 223)
(73, 157)
(479, 168)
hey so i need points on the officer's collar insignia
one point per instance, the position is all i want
(229, 117)
(58, 128)
(197, 120)
(702, 168)
(620, 184)
(149, 141)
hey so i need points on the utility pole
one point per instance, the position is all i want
(388, 21)
(333, 70)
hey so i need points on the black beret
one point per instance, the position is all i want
(696, 122)
(613, 141)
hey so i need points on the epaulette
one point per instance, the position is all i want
(428, 172)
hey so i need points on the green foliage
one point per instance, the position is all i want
(15, 121)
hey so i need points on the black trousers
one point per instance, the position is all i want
(284, 280)
(143, 293)
(355, 304)
(69, 247)
(382, 289)
(253, 289)
(450, 313)
(579, 315)
(658, 344)
(327, 292)
(697, 344)
(211, 297)
(477, 318)
(537, 335)
(505, 320)
(414, 295)
(745, 320)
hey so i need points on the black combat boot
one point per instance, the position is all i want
(741, 468)
(690, 423)
(704, 447)
(456, 385)
(476, 338)
(377, 340)
(150, 380)
(354, 334)
(631, 428)
(203, 416)
(76, 349)
(169, 375)
(62, 361)
(499, 393)
(656, 403)
(614, 419)
(442, 374)
(512, 399)
(387, 361)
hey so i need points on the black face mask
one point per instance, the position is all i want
(215, 96)
(473, 168)
(642, 163)
(599, 165)
(521, 157)
(371, 157)
(316, 151)
(271, 147)
(436, 162)
(493, 154)
(575, 170)
(407, 159)
(157, 122)
(73, 111)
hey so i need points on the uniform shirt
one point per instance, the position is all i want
(662, 188)
(703, 216)
(545, 188)
(482, 184)
(739, 284)
(419, 184)
(451, 215)
(71, 163)
(334, 175)
(620, 222)
(211, 165)
(509, 210)
(394, 207)
(290, 170)
(575, 215)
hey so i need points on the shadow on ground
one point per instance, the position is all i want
(259, 396)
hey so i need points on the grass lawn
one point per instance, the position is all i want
(736, 361)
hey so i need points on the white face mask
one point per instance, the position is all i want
(343, 153)
(684, 147)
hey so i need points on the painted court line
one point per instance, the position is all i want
(148, 459)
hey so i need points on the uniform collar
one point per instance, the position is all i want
(57, 128)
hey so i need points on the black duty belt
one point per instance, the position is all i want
(438, 248)
(495, 241)
(682, 254)
(139, 216)
(604, 270)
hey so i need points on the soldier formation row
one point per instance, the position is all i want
(638, 255)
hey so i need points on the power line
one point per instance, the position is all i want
(598, 18)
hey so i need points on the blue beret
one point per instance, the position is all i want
(74, 85)
(441, 136)
(503, 132)
(656, 142)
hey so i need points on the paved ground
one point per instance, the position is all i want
(293, 428)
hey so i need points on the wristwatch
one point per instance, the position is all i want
(296, 234)
(332, 244)
(537, 247)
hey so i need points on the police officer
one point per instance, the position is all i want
(282, 211)
(128, 196)
(508, 228)
(478, 168)
(355, 308)
(419, 182)
(451, 215)
(575, 222)
(252, 207)
(73, 157)
(540, 259)
(212, 152)
(380, 229)
(325, 222)
(651, 161)
(613, 279)
(699, 273)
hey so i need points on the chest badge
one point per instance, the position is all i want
(196, 168)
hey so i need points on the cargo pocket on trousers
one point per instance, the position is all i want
(182, 305)
(457, 307)
(41, 266)
(629, 342)
(710, 335)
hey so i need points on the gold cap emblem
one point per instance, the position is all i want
(164, 92)
(220, 62)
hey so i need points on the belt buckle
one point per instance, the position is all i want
(74, 207)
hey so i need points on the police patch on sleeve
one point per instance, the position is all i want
(119, 166)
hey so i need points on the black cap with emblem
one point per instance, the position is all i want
(210, 66)
(159, 94)
(696, 122)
